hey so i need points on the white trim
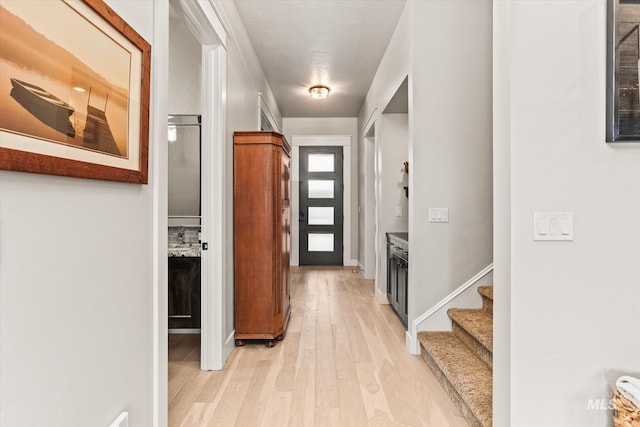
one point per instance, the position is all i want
(264, 108)
(202, 20)
(412, 345)
(185, 331)
(370, 170)
(213, 210)
(346, 205)
(452, 295)
(381, 297)
(370, 122)
(295, 205)
(158, 168)
(205, 24)
(121, 421)
(229, 345)
(321, 140)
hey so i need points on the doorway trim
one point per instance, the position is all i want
(320, 140)
(206, 26)
(370, 203)
(159, 152)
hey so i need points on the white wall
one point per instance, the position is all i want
(451, 164)
(333, 126)
(185, 68)
(245, 79)
(76, 296)
(393, 151)
(574, 305)
(393, 69)
(449, 139)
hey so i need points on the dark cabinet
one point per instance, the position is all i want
(184, 292)
(262, 240)
(398, 273)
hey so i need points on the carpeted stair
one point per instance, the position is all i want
(462, 359)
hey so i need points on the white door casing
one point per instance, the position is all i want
(320, 140)
(206, 26)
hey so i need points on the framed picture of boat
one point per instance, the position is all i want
(74, 91)
(623, 70)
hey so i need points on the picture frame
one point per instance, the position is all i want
(623, 70)
(74, 91)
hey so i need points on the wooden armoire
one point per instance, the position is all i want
(262, 239)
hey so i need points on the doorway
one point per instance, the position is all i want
(202, 21)
(321, 206)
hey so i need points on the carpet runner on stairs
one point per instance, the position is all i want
(462, 359)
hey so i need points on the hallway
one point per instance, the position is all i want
(343, 362)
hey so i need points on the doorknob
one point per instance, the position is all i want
(301, 217)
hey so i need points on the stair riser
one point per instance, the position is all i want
(487, 304)
(478, 349)
(453, 394)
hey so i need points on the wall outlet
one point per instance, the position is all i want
(438, 214)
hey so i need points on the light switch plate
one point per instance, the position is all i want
(438, 214)
(553, 226)
(398, 210)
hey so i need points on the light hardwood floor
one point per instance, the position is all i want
(343, 362)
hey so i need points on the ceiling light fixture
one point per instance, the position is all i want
(319, 91)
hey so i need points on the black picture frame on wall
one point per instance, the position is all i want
(623, 70)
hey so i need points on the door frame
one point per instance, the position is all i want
(370, 203)
(321, 140)
(207, 28)
(336, 256)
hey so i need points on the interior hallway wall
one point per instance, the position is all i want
(451, 147)
(77, 284)
(185, 68)
(449, 136)
(245, 79)
(574, 304)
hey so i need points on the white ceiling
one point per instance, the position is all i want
(338, 43)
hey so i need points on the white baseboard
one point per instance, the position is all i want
(381, 297)
(229, 345)
(412, 343)
(436, 318)
(121, 421)
(351, 263)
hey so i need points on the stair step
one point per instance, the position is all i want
(487, 297)
(466, 379)
(475, 329)
(486, 291)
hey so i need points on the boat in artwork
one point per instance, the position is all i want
(43, 105)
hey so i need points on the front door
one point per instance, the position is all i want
(321, 206)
